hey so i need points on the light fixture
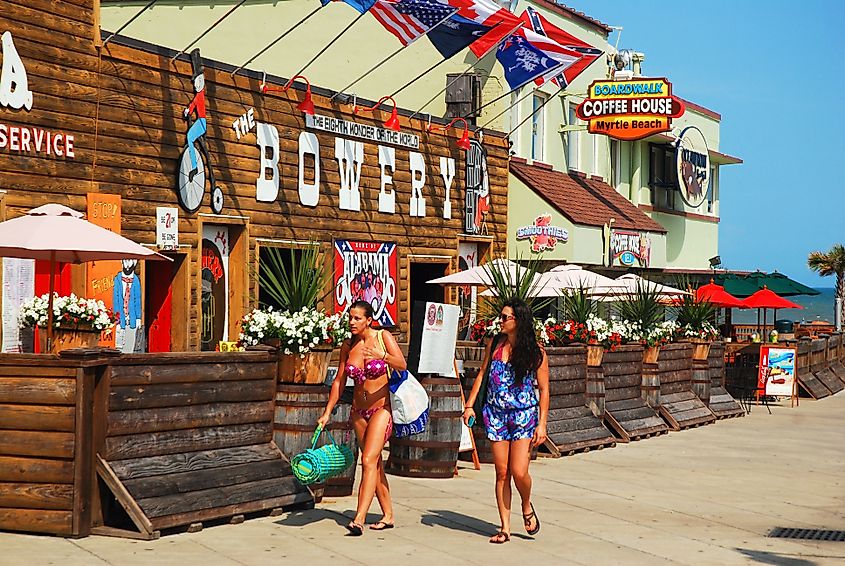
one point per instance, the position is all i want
(307, 104)
(463, 142)
(715, 262)
(391, 123)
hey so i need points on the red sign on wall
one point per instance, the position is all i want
(367, 271)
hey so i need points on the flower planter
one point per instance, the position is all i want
(309, 369)
(650, 354)
(67, 338)
(594, 355)
(700, 349)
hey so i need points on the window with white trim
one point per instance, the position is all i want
(573, 140)
(538, 120)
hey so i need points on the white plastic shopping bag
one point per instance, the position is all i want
(409, 404)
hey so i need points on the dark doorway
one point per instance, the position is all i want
(426, 292)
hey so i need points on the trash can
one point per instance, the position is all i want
(784, 326)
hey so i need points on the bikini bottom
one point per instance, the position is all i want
(367, 414)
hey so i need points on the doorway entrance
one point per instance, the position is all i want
(164, 300)
(421, 291)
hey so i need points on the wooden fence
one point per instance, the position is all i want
(627, 413)
(679, 405)
(722, 404)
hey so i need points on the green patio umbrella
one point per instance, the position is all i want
(747, 285)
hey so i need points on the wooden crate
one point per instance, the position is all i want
(805, 374)
(722, 404)
(679, 405)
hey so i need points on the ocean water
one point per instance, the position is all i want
(818, 307)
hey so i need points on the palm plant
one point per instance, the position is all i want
(578, 305)
(296, 282)
(643, 310)
(831, 263)
(517, 283)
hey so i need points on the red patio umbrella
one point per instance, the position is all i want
(764, 299)
(717, 295)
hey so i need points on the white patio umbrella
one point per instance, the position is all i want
(571, 277)
(57, 233)
(478, 276)
(631, 282)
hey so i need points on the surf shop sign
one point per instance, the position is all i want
(630, 110)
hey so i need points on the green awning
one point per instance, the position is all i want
(747, 285)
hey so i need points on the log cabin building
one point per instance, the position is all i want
(101, 125)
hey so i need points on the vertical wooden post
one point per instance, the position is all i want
(595, 390)
(701, 381)
(650, 388)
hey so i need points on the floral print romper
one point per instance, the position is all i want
(511, 411)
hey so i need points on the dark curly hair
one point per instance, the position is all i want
(526, 355)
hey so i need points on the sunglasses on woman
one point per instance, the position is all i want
(506, 317)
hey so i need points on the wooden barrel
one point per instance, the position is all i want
(701, 380)
(297, 410)
(595, 394)
(433, 453)
(650, 387)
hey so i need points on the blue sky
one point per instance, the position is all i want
(775, 71)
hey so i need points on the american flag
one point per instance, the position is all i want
(408, 20)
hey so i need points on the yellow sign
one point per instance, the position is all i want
(630, 110)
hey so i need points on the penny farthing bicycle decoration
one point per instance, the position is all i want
(195, 171)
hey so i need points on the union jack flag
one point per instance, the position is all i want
(584, 52)
(409, 20)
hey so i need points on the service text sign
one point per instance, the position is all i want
(630, 110)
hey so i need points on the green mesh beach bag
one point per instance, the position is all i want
(319, 464)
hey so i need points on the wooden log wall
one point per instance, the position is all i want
(722, 404)
(184, 438)
(679, 405)
(820, 365)
(124, 106)
(625, 411)
(572, 426)
(804, 371)
(45, 417)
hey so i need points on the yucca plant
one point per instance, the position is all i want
(298, 283)
(643, 309)
(578, 305)
(694, 317)
(518, 283)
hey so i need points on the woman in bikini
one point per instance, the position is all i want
(514, 417)
(367, 359)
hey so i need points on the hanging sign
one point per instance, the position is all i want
(367, 271)
(167, 227)
(630, 110)
(439, 335)
(542, 234)
(776, 375)
(631, 249)
(477, 205)
(692, 160)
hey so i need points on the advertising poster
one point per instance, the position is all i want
(106, 279)
(777, 371)
(215, 286)
(367, 271)
(439, 333)
(18, 287)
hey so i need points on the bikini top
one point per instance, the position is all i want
(373, 369)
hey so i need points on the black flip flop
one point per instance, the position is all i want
(500, 537)
(355, 530)
(384, 526)
(527, 519)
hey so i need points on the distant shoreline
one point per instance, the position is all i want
(816, 307)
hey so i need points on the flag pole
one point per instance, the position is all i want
(332, 42)
(389, 57)
(549, 99)
(278, 39)
(475, 112)
(467, 70)
(523, 97)
(132, 19)
(421, 75)
(203, 34)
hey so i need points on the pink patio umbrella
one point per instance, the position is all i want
(60, 234)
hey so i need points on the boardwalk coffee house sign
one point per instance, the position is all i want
(630, 110)
(16, 96)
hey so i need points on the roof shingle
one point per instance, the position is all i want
(591, 202)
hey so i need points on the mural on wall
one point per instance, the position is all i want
(105, 211)
(630, 249)
(195, 163)
(477, 203)
(542, 235)
(126, 301)
(215, 286)
(367, 271)
(692, 159)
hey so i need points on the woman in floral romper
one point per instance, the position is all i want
(514, 414)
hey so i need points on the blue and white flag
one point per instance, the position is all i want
(360, 5)
(456, 34)
(523, 61)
